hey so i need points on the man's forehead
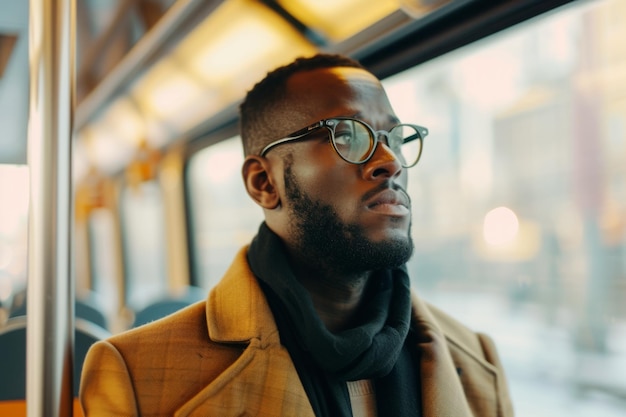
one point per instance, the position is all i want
(318, 94)
(322, 90)
(334, 77)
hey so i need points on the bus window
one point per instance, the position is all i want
(519, 201)
(13, 234)
(223, 217)
(103, 255)
(144, 243)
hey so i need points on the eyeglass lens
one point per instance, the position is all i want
(409, 142)
(354, 142)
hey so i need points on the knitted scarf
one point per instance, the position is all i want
(375, 349)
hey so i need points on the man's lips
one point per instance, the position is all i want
(389, 196)
(389, 201)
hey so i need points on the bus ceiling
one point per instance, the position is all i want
(154, 72)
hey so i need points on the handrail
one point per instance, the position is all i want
(134, 62)
(50, 284)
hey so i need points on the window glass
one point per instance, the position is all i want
(102, 241)
(143, 224)
(13, 235)
(223, 217)
(519, 201)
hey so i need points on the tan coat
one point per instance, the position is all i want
(224, 358)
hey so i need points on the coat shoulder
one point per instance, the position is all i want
(189, 321)
(170, 360)
(477, 361)
(181, 337)
(456, 332)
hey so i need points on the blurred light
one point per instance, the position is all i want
(208, 71)
(491, 78)
(500, 226)
(222, 164)
(214, 63)
(14, 195)
(124, 118)
(106, 150)
(476, 172)
(112, 140)
(169, 97)
(157, 134)
(401, 92)
(166, 90)
(339, 19)
(237, 45)
(6, 255)
(6, 289)
(418, 8)
(80, 162)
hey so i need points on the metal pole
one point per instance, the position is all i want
(50, 283)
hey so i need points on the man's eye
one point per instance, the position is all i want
(395, 141)
(343, 138)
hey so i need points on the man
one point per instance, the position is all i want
(315, 317)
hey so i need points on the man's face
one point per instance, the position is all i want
(352, 218)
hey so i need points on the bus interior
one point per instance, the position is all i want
(519, 200)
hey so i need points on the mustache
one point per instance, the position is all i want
(385, 185)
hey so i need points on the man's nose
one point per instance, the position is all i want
(384, 162)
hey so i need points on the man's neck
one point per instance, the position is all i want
(336, 298)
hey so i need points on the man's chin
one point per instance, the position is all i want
(395, 237)
(391, 252)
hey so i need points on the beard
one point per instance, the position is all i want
(333, 245)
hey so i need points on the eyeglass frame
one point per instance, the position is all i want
(422, 132)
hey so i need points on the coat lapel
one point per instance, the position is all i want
(442, 392)
(263, 380)
(457, 380)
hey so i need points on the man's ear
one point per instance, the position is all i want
(259, 183)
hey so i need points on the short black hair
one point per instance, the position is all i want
(266, 96)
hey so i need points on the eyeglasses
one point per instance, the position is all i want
(355, 141)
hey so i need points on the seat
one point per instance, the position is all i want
(168, 304)
(84, 309)
(13, 360)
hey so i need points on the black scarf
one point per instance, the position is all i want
(375, 349)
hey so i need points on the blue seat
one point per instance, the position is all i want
(168, 304)
(13, 355)
(13, 359)
(84, 309)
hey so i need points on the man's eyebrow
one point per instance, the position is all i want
(391, 119)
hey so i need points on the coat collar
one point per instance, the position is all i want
(236, 308)
(263, 380)
(442, 392)
(456, 374)
(237, 312)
